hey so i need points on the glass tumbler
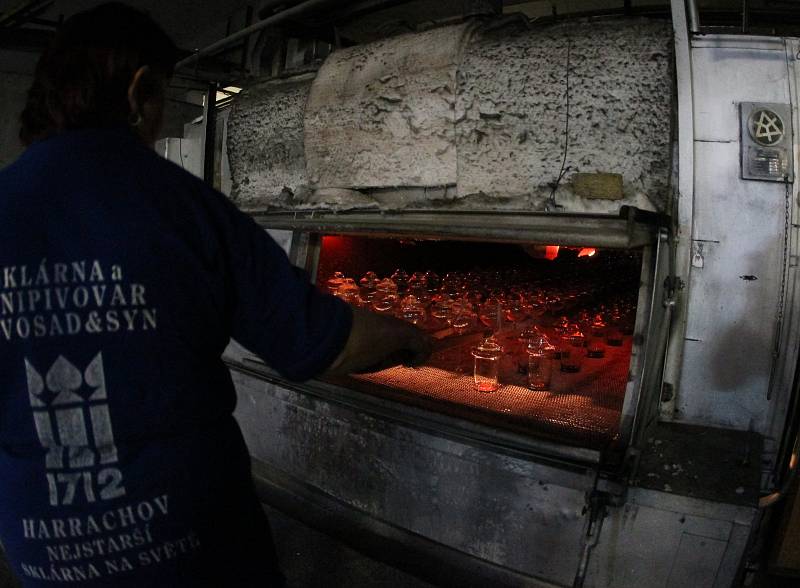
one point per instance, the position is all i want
(368, 287)
(596, 346)
(572, 351)
(540, 363)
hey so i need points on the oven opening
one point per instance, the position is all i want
(534, 339)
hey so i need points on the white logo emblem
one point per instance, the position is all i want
(70, 411)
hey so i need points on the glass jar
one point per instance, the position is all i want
(441, 307)
(412, 310)
(334, 282)
(400, 279)
(540, 363)
(368, 287)
(487, 365)
(529, 333)
(572, 350)
(451, 285)
(584, 321)
(417, 281)
(432, 281)
(461, 318)
(386, 285)
(559, 332)
(385, 300)
(348, 291)
(536, 306)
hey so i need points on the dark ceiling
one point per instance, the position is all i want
(26, 25)
(189, 22)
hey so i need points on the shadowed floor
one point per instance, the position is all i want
(312, 559)
(6, 578)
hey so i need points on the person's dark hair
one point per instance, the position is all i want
(82, 78)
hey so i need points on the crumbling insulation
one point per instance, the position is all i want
(470, 117)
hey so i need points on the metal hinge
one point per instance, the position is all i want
(672, 284)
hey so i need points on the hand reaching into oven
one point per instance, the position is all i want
(377, 342)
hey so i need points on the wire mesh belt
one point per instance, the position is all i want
(581, 408)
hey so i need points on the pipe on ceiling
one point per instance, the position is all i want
(268, 6)
(247, 31)
(17, 16)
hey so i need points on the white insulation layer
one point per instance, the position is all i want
(472, 116)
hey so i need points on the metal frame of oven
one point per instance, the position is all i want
(642, 394)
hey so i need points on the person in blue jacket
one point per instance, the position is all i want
(122, 280)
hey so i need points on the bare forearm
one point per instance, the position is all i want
(378, 341)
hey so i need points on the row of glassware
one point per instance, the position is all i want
(531, 304)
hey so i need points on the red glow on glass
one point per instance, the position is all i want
(587, 252)
(551, 252)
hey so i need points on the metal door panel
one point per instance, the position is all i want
(725, 76)
(733, 293)
(746, 215)
(662, 539)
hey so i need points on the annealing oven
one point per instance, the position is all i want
(509, 189)
(577, 305)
